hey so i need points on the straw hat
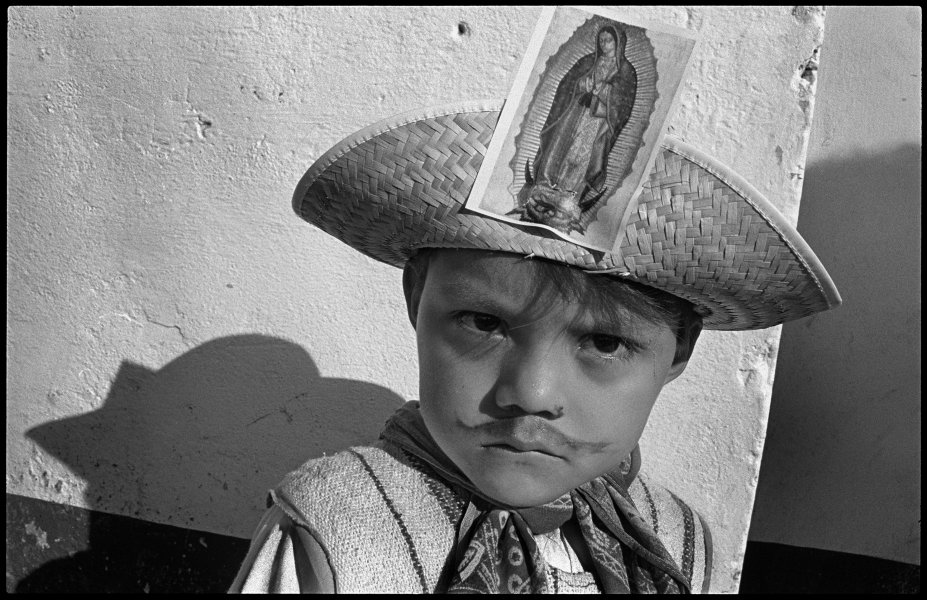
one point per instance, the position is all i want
(699, 231)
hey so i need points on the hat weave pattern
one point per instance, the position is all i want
(699, 231)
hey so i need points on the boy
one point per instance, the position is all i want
(540, 360)
(536, 380)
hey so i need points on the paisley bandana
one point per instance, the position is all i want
(496, 551)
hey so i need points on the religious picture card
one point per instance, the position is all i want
(582, 124)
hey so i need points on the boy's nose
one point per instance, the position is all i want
(530, 382)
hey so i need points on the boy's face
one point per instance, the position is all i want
(527, 394)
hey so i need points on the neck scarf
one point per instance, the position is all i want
(496, 551)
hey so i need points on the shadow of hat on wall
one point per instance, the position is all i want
(198, 443)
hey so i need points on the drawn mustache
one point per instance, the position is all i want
(531, 431)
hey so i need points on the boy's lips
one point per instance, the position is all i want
(519, 446)
(529, 434)
(526, 435)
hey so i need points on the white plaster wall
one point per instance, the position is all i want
(177, 339)
(842, 467)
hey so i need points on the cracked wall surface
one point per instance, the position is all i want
(177, 339)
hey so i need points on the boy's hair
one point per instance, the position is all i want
(604, 295)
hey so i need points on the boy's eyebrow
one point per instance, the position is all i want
(609, 324)
(490, 294)
(466, 291)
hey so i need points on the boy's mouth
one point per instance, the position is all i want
(517, 447)
(529, 434)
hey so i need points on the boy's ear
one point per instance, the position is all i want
(675, 371)
(693, 329)
(412, 288)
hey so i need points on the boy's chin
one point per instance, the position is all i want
(520, 492)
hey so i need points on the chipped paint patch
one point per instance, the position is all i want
(41, 538)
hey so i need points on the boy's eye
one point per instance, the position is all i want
(485, 322)
(612, 347)
(606, 344)
(480, 321)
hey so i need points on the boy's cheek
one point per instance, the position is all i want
(450, 353)
(454, 375)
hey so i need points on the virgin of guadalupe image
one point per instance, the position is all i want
(591, 107)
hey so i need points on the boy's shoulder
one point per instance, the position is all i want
(374, 501)
(682, 530)
(361, 474)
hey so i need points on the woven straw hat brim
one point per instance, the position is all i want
(700, 232)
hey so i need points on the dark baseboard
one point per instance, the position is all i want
(56, 548)
(780, 569)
